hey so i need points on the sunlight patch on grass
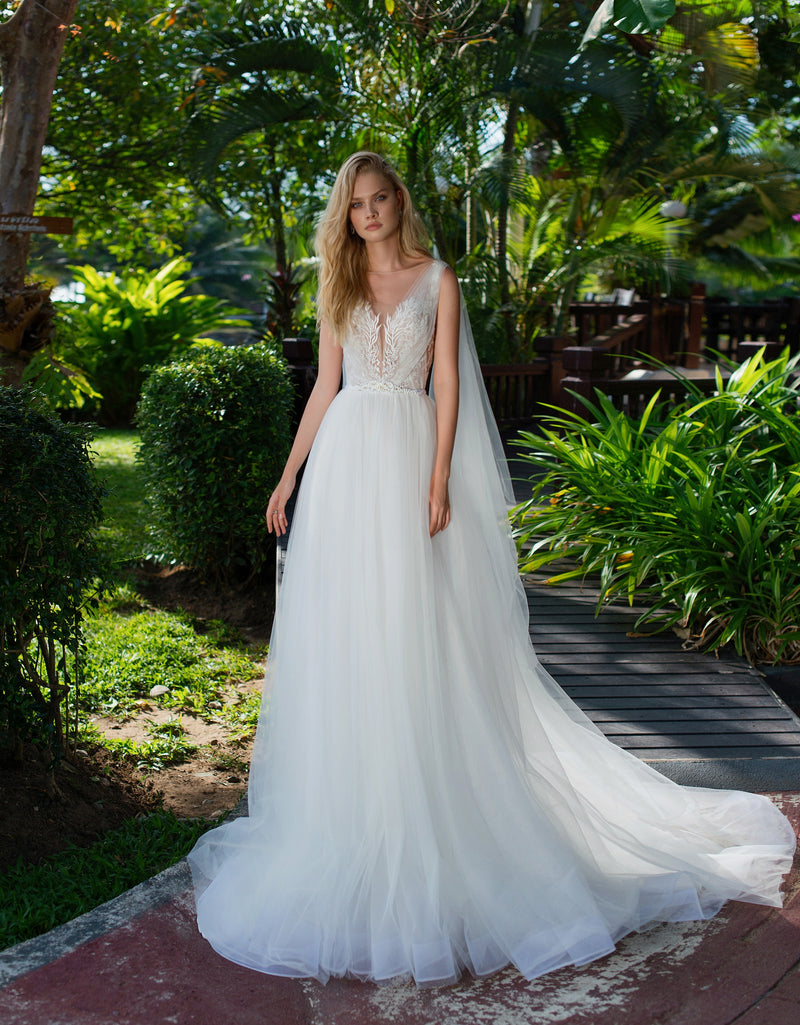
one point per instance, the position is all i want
(123, 533)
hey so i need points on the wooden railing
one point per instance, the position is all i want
(665, 338)
(610, 337)
(728, 326)
(606, 358)
(518, 392)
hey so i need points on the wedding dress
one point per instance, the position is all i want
(423, 797)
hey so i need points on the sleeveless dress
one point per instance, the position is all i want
(423, 797)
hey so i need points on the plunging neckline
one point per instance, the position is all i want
(387, 315)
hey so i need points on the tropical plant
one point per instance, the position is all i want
(215, 434)
(260, 111)
(48, 562)
(59, 383)
(130, 324)
(694, 508)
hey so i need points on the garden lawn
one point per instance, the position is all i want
(123, 533)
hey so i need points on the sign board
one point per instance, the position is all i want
(23, 223)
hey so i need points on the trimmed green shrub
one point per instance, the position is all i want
(48, 555)
(695, 509)
(127, 325)
(215, 434)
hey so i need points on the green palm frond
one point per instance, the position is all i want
(274, 55)
(215, 127)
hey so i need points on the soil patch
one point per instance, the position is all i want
(96, 794)
(249, 607)
(211, 780)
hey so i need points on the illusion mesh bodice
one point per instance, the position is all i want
(393, 351)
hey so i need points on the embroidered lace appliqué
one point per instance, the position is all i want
(394, 350)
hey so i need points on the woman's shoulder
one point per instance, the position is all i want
(448, 282)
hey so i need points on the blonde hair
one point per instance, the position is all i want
(342, 254)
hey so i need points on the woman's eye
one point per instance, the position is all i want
(355, 206)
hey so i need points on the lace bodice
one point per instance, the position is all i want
(393, 351)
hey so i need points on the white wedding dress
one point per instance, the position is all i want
(423, 797)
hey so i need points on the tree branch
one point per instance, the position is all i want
(9, 29)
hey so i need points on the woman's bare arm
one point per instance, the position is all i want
(445, 384)
(323, 393)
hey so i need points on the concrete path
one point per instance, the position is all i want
(139, 960)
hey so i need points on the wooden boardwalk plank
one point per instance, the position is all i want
(663, 716)
(731, 728)
(650, 695)
(653, 754)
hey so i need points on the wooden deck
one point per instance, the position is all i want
(649, 695)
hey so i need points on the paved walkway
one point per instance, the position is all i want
(140, 961)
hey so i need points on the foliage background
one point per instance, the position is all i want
(540, 168)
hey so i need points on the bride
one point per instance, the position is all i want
(423, 797)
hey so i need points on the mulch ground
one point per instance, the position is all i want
(97, 792)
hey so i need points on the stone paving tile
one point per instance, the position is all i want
(771, 1012)
(154, 969)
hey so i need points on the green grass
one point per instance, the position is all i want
(167, 745)
(35, 899)
(132, 647)
(123, 534)
(127, 655)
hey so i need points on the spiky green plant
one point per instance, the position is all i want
(691, 509)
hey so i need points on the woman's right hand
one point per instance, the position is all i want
(276, 510)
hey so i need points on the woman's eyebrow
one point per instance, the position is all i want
(375, 193)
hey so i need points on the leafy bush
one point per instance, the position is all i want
(695, 508)
(214, 438)
(127, 325)
(48, 555)
(35, 899)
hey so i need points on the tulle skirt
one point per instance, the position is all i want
(423, 798)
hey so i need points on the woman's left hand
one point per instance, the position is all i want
(438, 505)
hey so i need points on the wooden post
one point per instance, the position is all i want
(694, 341)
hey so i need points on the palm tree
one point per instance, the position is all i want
(257, 132)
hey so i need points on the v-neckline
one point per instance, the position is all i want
(404, 298)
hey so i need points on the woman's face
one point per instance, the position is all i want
(374, 207)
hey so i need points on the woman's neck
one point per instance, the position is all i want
(384, 257)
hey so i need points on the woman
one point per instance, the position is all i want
(423, 797)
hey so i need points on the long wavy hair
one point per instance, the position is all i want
(342, 253)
